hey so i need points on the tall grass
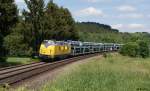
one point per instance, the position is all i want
(113, 73)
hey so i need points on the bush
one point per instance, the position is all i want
(135, 49)
(16, 46)
(104, 55)
(130, 49)
(143, 49)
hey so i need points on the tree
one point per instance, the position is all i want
(48, 22)
(143, 49)
(34, 16)
(8, 18)
(17, 43)
(60, 24)
(1, 48)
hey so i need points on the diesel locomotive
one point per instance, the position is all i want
(50, 49)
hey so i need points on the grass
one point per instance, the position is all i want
(12, 61)
(113, 73)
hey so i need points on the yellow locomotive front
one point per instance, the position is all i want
(54, 49)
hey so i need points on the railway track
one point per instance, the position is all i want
(13, 75)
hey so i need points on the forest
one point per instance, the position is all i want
(92, 31)
(22, 34)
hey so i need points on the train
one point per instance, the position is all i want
(51, 49)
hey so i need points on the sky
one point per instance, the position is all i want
(125, 15)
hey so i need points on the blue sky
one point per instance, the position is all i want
(125, 15)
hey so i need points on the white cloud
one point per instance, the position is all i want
(136, 26)
(126, 8)
(127, 27)
(131, 15)
(90, 11)
(117, 26)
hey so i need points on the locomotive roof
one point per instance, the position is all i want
(51, 42)
(76, 43)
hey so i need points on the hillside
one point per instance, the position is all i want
(95, 27)
(91, 31)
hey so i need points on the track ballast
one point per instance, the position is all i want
(13, 75)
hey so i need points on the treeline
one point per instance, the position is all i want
(21, 35)
(135, 44)
(91, 31)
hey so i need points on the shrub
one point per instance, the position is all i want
(135, 49)
(143, 49)
(104, 55)
(16, 46)
(130, 49)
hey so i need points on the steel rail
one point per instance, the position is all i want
(5, 71)
(19, 75)
(10, 67)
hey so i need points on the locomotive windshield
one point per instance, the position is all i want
(48, 42)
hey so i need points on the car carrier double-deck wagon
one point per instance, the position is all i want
(60, 49)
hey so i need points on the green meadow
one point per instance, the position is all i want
(114, 73)
(13, 61)
(111, 73)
